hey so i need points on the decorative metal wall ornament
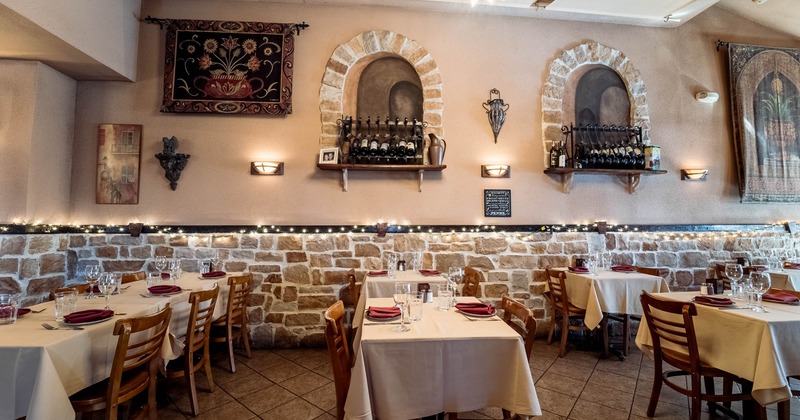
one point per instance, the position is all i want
(496, 110)
(173, 163)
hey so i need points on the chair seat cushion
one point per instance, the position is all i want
(95, 395)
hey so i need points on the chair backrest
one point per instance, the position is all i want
(514, 309)
(200, 316)
(719, 269)
(671, 322)
(648, 270)
(78, 288)
(131, 277)
(556, 281)
(238, 296)
(355, 286)
(138, 349)
(791, 292)
(472, 282)
(336, 338)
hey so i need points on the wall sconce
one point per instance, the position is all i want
(496, 110)
(173, 163)
(495, 171)
(707, 97)
(693, 174)
(266, 168)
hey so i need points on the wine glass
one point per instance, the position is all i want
(454, 275)
(734, 272)
(174, 270)
(161, 263)
(92, 274)
(760, 283)
(400, 296)
(107, 285)
(215, 262)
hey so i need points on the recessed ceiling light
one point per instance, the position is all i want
(759, 1)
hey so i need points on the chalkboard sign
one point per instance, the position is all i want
(497, 203)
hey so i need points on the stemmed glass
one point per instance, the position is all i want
(107, 285)
(161, 263)
(174, 270)
(734, 272)
(760, 282)
(92, 274)
(400, 296)
(455, 276)
(214, 262)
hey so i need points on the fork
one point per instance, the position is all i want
(50, 327)
(37, 311)
(494, 318)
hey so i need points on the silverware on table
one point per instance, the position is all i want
(381, 323)
(493, 318)
(38, 311)
(50, 327)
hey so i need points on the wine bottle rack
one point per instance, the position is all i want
(358, 140)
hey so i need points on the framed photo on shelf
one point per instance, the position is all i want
(330, 155)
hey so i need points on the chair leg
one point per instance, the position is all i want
(783, 410)
(626, 334)
(604, 328)
(564, 334)
(727, 388)
(655, 393)
(696, 401)
(506, 414)
(709, 383)
(245, 337)
(207, 367)
(552, 330)
(190, 384)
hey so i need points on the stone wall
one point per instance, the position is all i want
(297, 276)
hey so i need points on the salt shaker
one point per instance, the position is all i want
(401, 265)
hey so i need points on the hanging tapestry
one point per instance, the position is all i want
(228, 67)
(765, 83)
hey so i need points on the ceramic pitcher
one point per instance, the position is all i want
(436, 149)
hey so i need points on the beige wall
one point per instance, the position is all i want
(475, 53)
(37, 110)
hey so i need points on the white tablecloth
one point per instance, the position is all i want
(610, 292)
(759, 347)
(383, 286)
(786, 279)
(42, 368)
(446, 363)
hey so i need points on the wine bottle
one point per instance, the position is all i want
(365, 140)
(355, 144)
(562, 155)
(374, 142)
(401, 146)
(393, 138)
(553, 155)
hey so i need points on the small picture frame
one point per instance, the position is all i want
(329, 155)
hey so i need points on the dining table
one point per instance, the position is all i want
(760, 347)
(785, 279)
(42, 368)
(446, 362)
(380, 284)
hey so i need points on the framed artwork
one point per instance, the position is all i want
(228, 67)
(329, 155)
(118, 157)
(765, 90)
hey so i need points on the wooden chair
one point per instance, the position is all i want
(134, 369)
(719, 269)
(79, 288)
(556, 281)
(341, 360)
(472, 283)
(672, 322)
(783, 406)
(131, 277)
(197, 339)
(355, 287)
(514, 311)
(233, 325)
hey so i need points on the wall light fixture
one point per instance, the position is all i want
(266, 168)
(693, 174)
(495, 171)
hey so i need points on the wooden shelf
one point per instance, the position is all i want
(346, 167)
(632, 175)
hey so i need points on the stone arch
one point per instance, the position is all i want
(561, 68)
(371, 45)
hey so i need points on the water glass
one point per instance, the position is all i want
(204, 267)
(416, 261)
(391, 265)
(760, 283)
(606, 259)
(8, 309)
(117, 283)
(153, 278)
(445, 294)
(415, 300)
(161, 263)
(63, 305)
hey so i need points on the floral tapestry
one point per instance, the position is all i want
(228, 67)
(764, 83)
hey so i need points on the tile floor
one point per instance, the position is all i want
(297, 384)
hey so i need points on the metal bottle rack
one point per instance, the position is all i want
(347, 126)
(594, 136)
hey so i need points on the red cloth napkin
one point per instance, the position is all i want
(87, 315)
(780, 297)
(164, 275)
(163, 288)
(213, 274)
(579, 269)
(378, 273)
(713, 300)
(622, 268)
(475, 308)
(792, 266)
(429, 272)
(6, 312)
(22, 311)
(758, 267)
(383, 312)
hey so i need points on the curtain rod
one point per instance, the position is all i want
(721, 43)
(295, 27)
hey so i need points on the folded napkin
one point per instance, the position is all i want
(429, 272)
(22, 311)
(87, 315)
(758, 267)
(214, 274)
(579, 269)
(713, 300)
(622, 268)
(383, 312)
(780, 297)
(163, 288)
(792, 266)
(378, 273)
(475, 308)
(164, 275)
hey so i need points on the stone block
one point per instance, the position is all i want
(123, 265)
(348, 263)
(367, 250)
(520, 280)
(373, 263)
(323, 244)
(298, 273)
(342, 242)
(645, 259)
(169, 252)
(256, 299)
(106, 252)
(320, 260)
(335, 277)
(320, 302)
(224, 241)
(497, 277)
(44, 285)
(265, 268)
(155, 239)
(490, 245)
(294, 257)
(180, 240)
(494, 290)
(9, 286)
(537, 288)
(318, 290)
(9, 265)
(443, 262)
(77, 241)
(266, 241)
(97, 240)
(289, 294)
(517, 261)
(274, 318)
(124, 240)
(235, 266)
(40, 244)
(480, 262)
(691, 259)
(290, 243)
(284, 338)
(518, 248)
(538, 248)
(29, 268)
(12, 245)
(573, 248)
(553, 261)
(555, 248)
(302, 319)
(242, 254)
(255, 316)
(269, 256)
(462, 248)
(52, 264)
(439, 247)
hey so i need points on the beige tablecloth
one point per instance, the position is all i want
(610, 292)
(786, 279)
(446, 363)
(42, 368)
(760, 347)
(383, 286)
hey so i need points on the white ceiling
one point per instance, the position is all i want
(30, 42)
